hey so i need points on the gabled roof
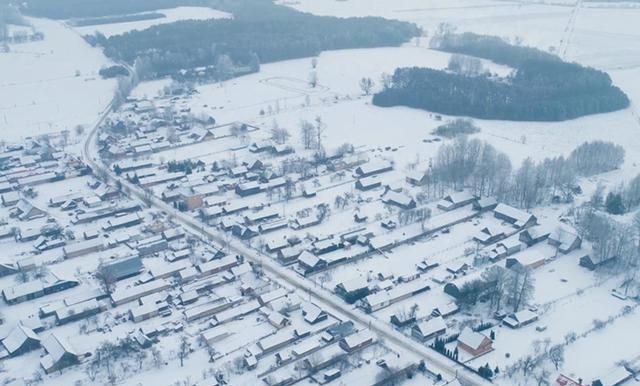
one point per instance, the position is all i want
(309, 259)
(471, 338)
(17, 337)
(57, 347)
(431, 326)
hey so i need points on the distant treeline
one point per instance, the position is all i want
(542, 87)
(259, 31)
(116, 19)
(68, 9)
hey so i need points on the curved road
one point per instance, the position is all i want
(323, 298)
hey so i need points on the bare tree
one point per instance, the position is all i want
(278, 134)
(366, 85)
(184, 349)
(107, 280)
(307, 134)
(522, 287)
(556, 355)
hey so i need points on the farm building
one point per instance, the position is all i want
(520, 319)
(593, 263)
(529, 259)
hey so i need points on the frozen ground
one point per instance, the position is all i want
(51, 85)
(170, 15)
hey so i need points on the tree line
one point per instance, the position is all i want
(259, 30)
(474, 164)
(541, 88)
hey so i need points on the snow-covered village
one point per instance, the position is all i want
(339, 192)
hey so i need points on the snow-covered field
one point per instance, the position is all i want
(51, 85)
(170, 15)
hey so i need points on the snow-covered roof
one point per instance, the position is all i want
(431, 326)
(471, 338)
(57, 347)
(17, 337)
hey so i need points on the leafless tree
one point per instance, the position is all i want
(307, 134)
(184, 349)
(366, 85)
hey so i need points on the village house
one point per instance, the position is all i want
(305, 222)
(273, 225)
(357, 341)
(400, 200)
(485, 204)
(37, 288)
(125, 295)
(82, 248)
(353, 290)
(248, 188)
(417, 178)
(474, 343)
(504, 249)
(59, 354)
(445, 310)
(489, 235)
(122, 268)
(456, 200)
(616, 377)
(25, 211)
(10, 198)
(308, 262)
(564, 240)
(368, 183)
(534, 235)
(371, 168)
(125, 221)
(429, 329)
(516, 217)
(21, 339)
(382, 299)
(77, 311)
(288, 255)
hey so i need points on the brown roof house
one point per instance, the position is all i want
(474, 343)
